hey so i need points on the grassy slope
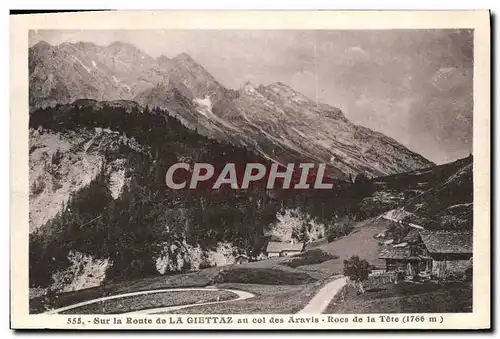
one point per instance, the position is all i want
(277, 298)
(195, 279)
(198, 279)
(269, 299)
(289, 299)
(406, 298)
(359, 242)
(280, 297)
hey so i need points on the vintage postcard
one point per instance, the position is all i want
(250, 170)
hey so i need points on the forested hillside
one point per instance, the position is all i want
(149, 222)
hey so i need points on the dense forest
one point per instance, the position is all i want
(133, 229)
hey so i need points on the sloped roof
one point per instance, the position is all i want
(412, 237)
(395, 253)
(274, 246)
(447, 241)
(397, 214)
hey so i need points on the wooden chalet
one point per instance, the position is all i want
(283, 249)
(437, 253)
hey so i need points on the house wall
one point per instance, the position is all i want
(396, 264)
(288, 253)
(456, 264)
(273, 254)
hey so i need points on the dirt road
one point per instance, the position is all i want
(322, 299)
(242, 295)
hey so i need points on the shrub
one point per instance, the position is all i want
(311, 257)
(267, 276)
(130, 268)
(356, 269)
(38, 186)
(204, 264)
(341, 228)
(56, 158)
(56, 184)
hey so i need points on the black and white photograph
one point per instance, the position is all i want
(293, 172)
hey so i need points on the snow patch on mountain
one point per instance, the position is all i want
(81, 63)
(299, 132)
(120, 83)
(205, 102)
(204, 107)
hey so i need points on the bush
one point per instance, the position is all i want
(204, 264)
(362, 186)
(38, 186)
(130, 268)
(56, 184)
(56, 158)
(311, 257)
(341, 228)
(356, 269)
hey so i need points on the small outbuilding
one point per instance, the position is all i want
(241, 259)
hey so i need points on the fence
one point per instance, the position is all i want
(378, 280)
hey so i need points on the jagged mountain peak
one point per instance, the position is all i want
(184, 57)
(279, 84)
(248, 87)
(42, 44)
(80, 45)
(282, 89)
(120, 45)
(163, 59)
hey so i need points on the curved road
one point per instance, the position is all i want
(316, 305)
(242, 295)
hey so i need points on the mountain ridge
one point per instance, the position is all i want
(275, 120)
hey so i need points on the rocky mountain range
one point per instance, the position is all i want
(274, 120)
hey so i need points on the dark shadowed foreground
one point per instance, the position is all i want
(406, 298)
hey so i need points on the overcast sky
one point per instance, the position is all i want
(412, 85)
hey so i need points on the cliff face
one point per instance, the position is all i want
(63, 163)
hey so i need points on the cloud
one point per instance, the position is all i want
(356, 50)
(448, 78)
(354, 55)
